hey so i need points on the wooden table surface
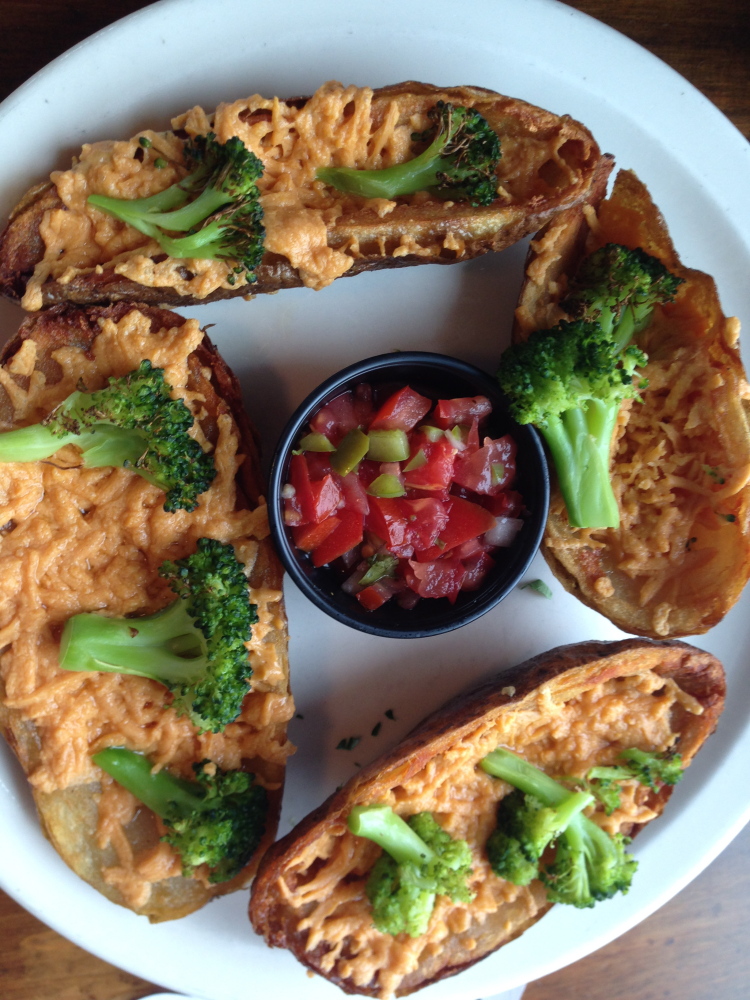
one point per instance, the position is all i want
(694, 948)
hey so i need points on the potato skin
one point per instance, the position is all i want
(69, 816)
(584, 664)
(482, 229)
(700, 583)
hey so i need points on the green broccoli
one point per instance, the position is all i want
(132, 423)
(570, 381)
(195, 646)
(651, 769)
(421, 861)
(525, 828)
(217, 820)
(458, 164)
(224, 218)
(588, 866)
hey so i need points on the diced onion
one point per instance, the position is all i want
(504, 532)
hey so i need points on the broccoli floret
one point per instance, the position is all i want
(651, 769)
(459, 163)
(570, 381)
(217, 205)
(217, 820)
(525, 828)
(195, 646)
(589, 865)
(133, 423)
(421, 861)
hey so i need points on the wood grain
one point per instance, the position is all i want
(694, 948)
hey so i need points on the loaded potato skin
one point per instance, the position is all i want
(309, 895)
(58, 248)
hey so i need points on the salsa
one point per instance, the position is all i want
(404, 496)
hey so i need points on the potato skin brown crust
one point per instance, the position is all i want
(482, 229)
(69, 816)
(588, 664)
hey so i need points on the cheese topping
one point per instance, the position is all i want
(564, 734)
(76, 539)
(340, 126)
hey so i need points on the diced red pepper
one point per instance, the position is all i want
(462, 410)
(401, 411)
(299, 479)
(309, 536)
(348, 533)
(489, 470)
(326, 497)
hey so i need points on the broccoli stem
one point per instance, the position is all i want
(579, 441)
(160, 791)
(418, 174)
(380, 824)
(176, 649)
(501, 763)
(33, 443)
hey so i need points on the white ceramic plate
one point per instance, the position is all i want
(180, 52)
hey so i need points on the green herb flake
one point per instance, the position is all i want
(348, 743)
(160, 163)
(145, 142)
(539, 586)
(389, 714)
(376, 729)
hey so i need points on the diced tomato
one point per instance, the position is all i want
(477, 567)
(441, 578)
(466, 520)
(336, 418)
(426, 519)
(362, 403)
(326, 497)
(318, 464)
(509, 503)
(354, 493)
(299, 479)
(389, 520)
(309, 536)
(463, 410)
(442, 531)
(436, 472)
(347, 533)
(401, 411)
(489, 470)
(314, 500)
(373, 597)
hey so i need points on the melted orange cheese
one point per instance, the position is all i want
(335, 125)
(564, 735)
(76, 539)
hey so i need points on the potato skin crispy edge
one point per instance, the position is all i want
(69, 817)
(698, 673)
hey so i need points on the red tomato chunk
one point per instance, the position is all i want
(412, 529)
